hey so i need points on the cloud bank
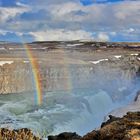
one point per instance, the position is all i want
(71, 19)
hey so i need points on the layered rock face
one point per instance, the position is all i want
(15, 78)
(120, 73)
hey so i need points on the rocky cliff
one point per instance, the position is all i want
(120, 73)
(15, 78)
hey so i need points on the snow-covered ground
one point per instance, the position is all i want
(5, 62)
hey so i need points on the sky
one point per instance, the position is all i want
(64, 20)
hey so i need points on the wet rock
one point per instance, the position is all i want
(111, 119)
(138, 72)
(137, 98)
(65, 136)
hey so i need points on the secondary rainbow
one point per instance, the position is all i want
(36, 74)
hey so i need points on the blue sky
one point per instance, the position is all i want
(47, 20)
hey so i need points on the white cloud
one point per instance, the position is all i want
(9, 13)
(61, 35)
(130, 30)
(65, 8)
(97, 15)
(113, 33)
(2, 32)
(21, 4)
(66, 12)
(69, 19)
(102, 37)
(127, 10)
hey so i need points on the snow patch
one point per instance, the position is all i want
(134, 54)
(5, 62)
(98, 61)
(2, 48)
(117, 56)
(72, 45)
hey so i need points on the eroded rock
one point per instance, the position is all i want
(21, 134)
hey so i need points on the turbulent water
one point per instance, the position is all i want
(60, 111)
(80, 109)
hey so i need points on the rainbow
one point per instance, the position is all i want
(36, 75)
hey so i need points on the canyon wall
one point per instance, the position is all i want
(118, 73)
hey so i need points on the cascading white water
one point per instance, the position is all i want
(59, 112)
(80, 109)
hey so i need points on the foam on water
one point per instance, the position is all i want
(85, 121)
(59, 112)
(79, 110)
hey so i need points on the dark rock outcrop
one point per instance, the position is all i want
(137, 96)
(65, 136)
(138, 72)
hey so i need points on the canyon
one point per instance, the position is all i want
(80, 82)
(61, 68)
